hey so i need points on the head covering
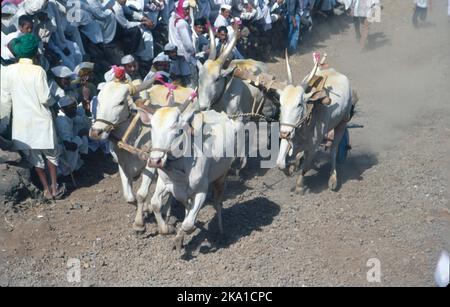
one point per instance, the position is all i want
(169, 47)
(25, 46)
(66, 101)
(62, 72)
(181, 5)
(119, 72)
(34, 6)
(161, 58)
(127, 59)
(225, 7)
(9, 8)
(83, 68)
(236, 20)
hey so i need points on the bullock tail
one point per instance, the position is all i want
(354, 99)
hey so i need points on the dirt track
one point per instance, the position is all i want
(393, 204)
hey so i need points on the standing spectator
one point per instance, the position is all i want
(24, 89)
(421, 11)
(293, 19)
(361, 10)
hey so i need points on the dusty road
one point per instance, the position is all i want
(393, 204)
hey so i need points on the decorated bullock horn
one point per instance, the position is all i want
(288, 67)
(212, 44)
(188, 101)
(226, 53)
(317, 62)
(146, 84)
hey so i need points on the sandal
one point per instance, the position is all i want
(47, 196)
(60, 191)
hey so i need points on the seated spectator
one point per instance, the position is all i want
(131, 67)
(61, 85)
(180, 71)
(223, 20)
(72, 136)
(222, 40)
(160, 64)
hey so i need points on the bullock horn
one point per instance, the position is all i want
(230, 46)
(188, 101)
(288, 67)
(171, 99)
(212, 44)
(145, 85)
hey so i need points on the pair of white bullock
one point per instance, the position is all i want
(188, 179)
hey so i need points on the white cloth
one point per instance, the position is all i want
(363, 8)
(5, 40)
(147, 53)
(120, 12)
(24, 88)
(67, 130)
(421, 3)
(180, 34)
(448, 8)
(103, 29)
(221, 21)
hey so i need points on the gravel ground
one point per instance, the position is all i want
(393, 204)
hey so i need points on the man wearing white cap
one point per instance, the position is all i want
(72, 136)
(160, 64)
(61, 84)
(131, 67)
(179, 68)
(223, 20)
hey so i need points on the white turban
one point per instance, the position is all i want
(32, 7)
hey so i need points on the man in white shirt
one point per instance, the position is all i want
(223, 20)
(24, 90)
(135, 35)
(72, 136)
(421, 11)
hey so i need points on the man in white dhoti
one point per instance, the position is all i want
(72, 136)
(24, 90)
(180, 36)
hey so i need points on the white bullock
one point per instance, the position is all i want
(305, 135)
(188, 176)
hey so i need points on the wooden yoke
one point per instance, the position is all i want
(264, 80)
(123, 144)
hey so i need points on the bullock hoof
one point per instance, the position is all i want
(299, 190)
(333, 183)
(178, 243)
(139, 229)
(167, 230)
